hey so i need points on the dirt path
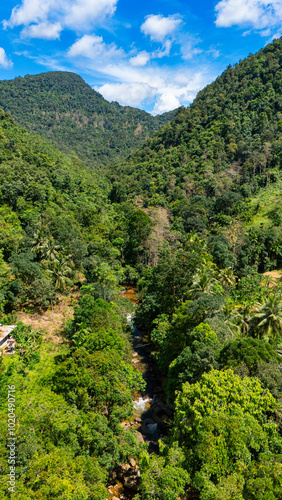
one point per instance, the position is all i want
(51, 322)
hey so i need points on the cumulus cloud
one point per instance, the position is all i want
(94, 48)
(127, 94)
(159, 27)
(30, 11)
(4, 61)
(167, 87)
(74, 14)
(260, 14)
(44, 31)
(141, 59)
(165, 102)
(135, 80)
(82, 13)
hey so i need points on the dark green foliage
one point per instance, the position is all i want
(63, 108)
(213, 320)
(232, 128)
(198, 357)
(213, 158)
(139, 228)
(51, 209)
(249, 352)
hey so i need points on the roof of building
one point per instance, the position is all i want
(5, 330)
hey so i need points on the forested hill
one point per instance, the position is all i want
(208, 299)
(228, 141)
(67, 111)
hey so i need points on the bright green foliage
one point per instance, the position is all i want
(264, 479)
(220, 391)
(100, 381)
(268, 316)
(60, 475)
(69, 408)
(4, 274)
(163, 477)
(94, 313)
(224, 425)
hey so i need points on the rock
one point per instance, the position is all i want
(115, 498)
(149, 421)
(152, 428)
(131, 480)
(139, 436)
(125, 467)
(132, 462)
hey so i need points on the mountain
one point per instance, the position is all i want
(229, 140)
(193, 220)
(63, 108)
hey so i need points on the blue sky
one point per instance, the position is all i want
(150, 54)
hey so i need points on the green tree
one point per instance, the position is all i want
(268, 316)
(139, 229)
(163, 477)
(224, 424)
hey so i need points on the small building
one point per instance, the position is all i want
(5, 335)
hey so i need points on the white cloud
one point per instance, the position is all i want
(127, 94)
(94, 48)
(30, 11)
(165, 102)
(159, 27)
(188, 50)
(83, 13)
(141, 59)
(74, 14)
(4, 61)
(44, 30)
(168, 87)
(260, 14)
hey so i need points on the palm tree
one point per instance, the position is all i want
(62, 269)
(203, 282)
(50, 249)
(242, 319)
(39, 242)
(269, 316)
(227, 277)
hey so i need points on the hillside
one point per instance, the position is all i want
(63, 108)
(192, 225)
(228, 140)
(217, 164)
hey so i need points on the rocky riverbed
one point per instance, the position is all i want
(151, 413)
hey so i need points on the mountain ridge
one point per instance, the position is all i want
(62, 107)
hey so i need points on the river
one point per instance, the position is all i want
(151, 414)
(149, 406)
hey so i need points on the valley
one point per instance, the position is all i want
(141, 262)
